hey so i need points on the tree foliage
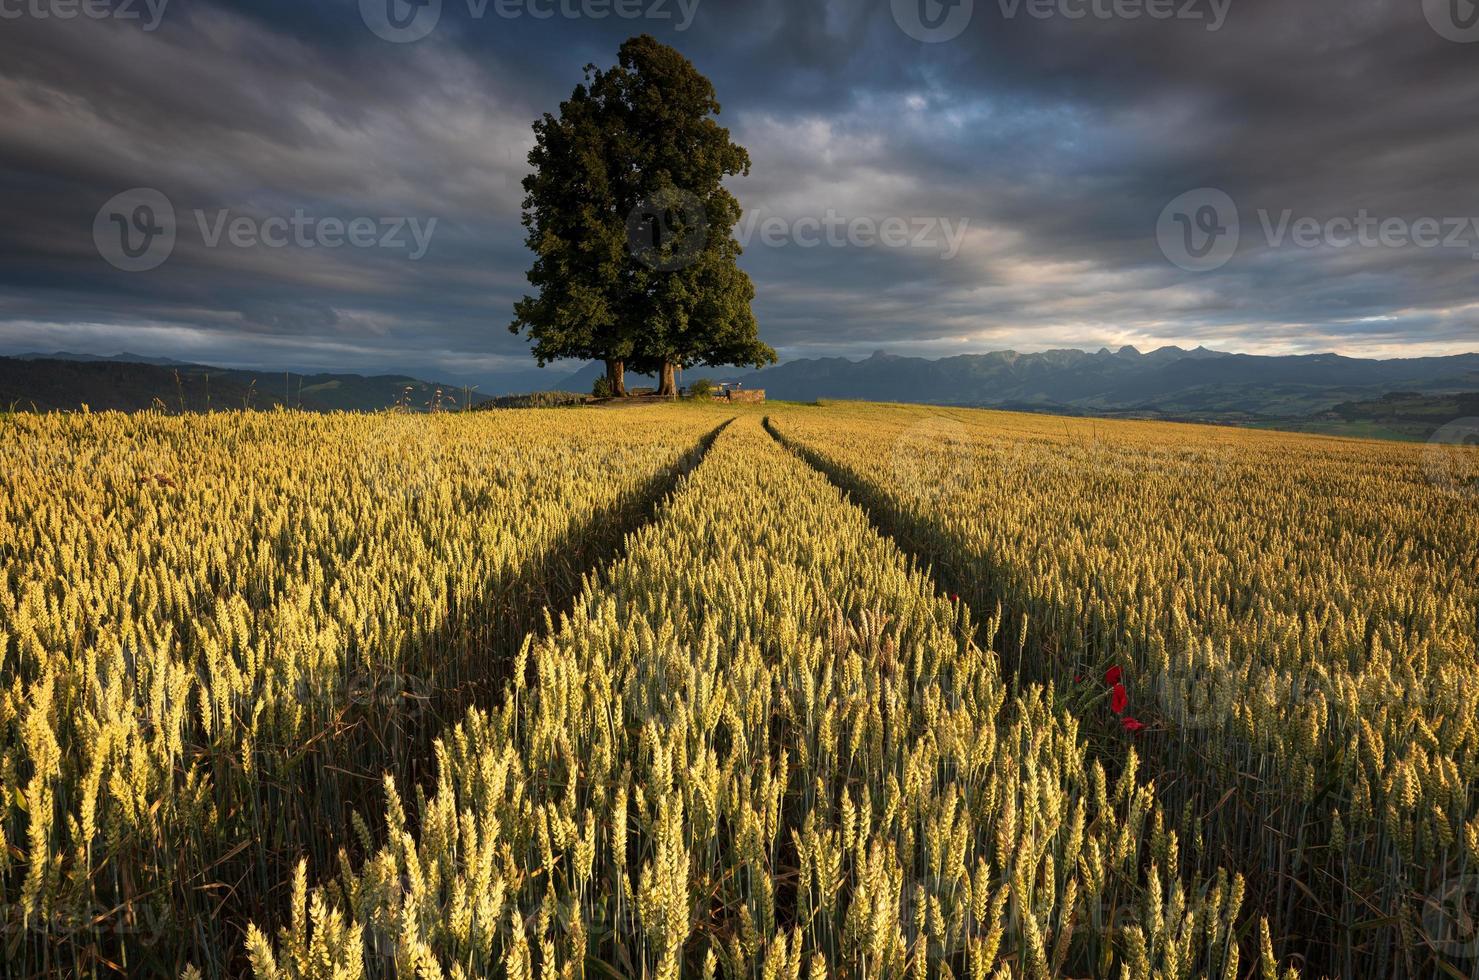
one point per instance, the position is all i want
(631, 224)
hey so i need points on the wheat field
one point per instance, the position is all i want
(712, 691)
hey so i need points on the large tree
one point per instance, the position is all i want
(569, 202)
(632, 226)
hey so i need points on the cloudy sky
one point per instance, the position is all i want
(335, 185)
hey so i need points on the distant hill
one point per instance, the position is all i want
(538, 399)
(1165, 383)
(107, 383)
(1397, 415)
(585, 379)
(124, 357)
(1406, 398)
(357, 393)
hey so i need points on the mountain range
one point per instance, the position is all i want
(1166, 383)
(63, 382)
(1321, 392)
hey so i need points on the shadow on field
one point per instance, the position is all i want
(388, 724)
(911, 536)
(1027, 650)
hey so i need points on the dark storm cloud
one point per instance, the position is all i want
(1049, 145)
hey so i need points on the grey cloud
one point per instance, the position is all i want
(1057, 142)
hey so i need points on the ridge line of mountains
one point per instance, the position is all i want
(132, 382)
(1404, 398)
(1169, 381)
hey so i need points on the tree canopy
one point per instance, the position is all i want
(631, 224)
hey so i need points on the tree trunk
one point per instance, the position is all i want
(667, 387)
(616, 373)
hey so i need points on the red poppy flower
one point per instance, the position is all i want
(1112, 676)
(1078, 678)
(1132, 725)
(1119, 699)
(954, 597)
